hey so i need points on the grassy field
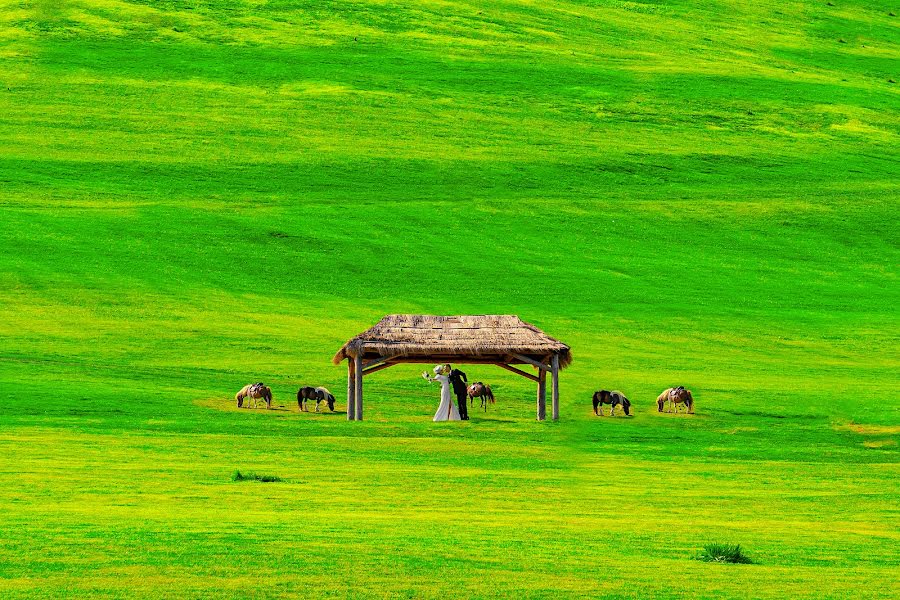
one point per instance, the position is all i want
(196, 195)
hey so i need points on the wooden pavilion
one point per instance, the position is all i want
(501, 340)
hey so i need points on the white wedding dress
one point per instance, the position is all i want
(447, 411)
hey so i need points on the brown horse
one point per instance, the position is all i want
(256, 391)
(675, 396)
(480, 390)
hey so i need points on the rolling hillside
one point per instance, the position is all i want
(196, 195)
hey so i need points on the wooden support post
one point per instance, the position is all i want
(542, 395)
(351, 389)
(359, 388)
(554, 372)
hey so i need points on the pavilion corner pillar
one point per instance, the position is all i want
(351, 389)
(542, 395)
(554, 373)
(359, 386)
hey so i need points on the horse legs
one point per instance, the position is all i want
(317, 406)
(612, 410)
(601, 409)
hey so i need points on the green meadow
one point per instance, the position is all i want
(195, 195)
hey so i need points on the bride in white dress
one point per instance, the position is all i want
(447, 411)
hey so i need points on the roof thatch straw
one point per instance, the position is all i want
(477, 337)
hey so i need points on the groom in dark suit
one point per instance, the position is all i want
(459, 381)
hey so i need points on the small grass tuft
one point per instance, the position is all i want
(251, 476)
(724, 553)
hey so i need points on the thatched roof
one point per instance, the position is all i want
(479, 338)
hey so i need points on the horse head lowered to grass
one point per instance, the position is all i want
(254, 391)
(675, 396)
(319, 394)
(614, 399)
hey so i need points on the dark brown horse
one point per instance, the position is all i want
(614, 399)
(480, 390)
(318, 394)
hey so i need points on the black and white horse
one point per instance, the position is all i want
(614, 399)
(318, 394)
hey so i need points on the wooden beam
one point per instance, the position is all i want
(517, 371)
(532, 362)
(554, 362)
(351, 389)
(380, 367)
(542, 395)
(359, 388)
(371, 363)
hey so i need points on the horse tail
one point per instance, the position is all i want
(596, 399)
(490, 394)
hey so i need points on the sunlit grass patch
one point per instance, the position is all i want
(864, 429)
(880, 443)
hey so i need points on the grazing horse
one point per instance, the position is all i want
(480, 390)
(614, 399)
(675, 396)
(314, 393)
(255, 391)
